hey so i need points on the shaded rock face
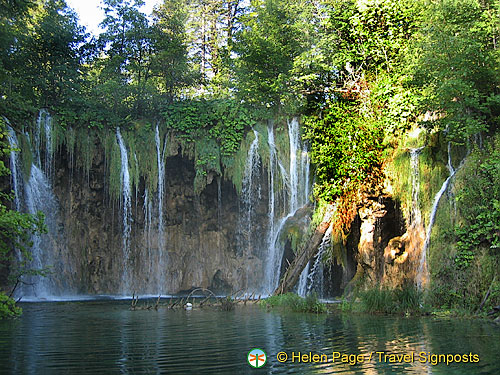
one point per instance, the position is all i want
(198, 247)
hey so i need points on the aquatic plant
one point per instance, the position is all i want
(293, 302)
(405, 299)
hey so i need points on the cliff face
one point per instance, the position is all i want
(388, 251)
(197, 246)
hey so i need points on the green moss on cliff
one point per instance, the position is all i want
(26, 155)
(464, 257)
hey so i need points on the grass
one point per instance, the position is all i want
(293, 302)
(403, 300)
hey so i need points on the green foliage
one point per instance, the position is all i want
(221, 120)
(8, 308)
(170, 62)
(479, 205)
(267, 45)
(143, 157)
(369, 35)
(216, 128)
(114, 163)
(293, 302)
(345, 149)
(85, 144)
(404, 300)
(464, 260)
(455, 62)
(26, 155)
(395, 103)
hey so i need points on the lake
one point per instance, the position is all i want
(106, 337)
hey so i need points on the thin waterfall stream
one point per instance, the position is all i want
(126, 207)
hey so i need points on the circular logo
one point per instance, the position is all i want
(256, 358)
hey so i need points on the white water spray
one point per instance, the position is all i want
(250, 192)
(313, 276)
(297, 186)
(44, 121)
(126, 204)
(161, 262)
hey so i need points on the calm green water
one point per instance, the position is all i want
(105, 337)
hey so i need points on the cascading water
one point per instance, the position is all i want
(312, 277)
(39, 197)
(48, 250)
(297, 185)
(288, 187)
(148, 207)
(422, 268)
(315, 277)
(44, 121)
(126, 205)
(250, 194)
(302, 286)
(272, 162)
(161, 262)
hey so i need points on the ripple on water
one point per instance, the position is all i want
(106, 337)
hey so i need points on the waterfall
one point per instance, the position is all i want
(48, 250)
(44, 121)
(299, 168)
(250, 194)
(297, 186)
(147, 228)
(302, 287)
(449, 164)
(293, 136)
(272, 162)
(39, 197)
(126, 204)
(415, 214)
(160, 156)
(423, 258)
(313, 276)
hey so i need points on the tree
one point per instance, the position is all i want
(211, 25)
(266, 45)
(13, 26)
(124, 70)
(456, 66)
(51, 54)
(170, 60)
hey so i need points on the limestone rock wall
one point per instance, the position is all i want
(199, 244)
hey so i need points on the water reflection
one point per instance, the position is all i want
(106, 337)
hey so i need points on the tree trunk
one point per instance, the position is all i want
(292, 274)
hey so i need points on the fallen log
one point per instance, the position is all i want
(292, 273)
